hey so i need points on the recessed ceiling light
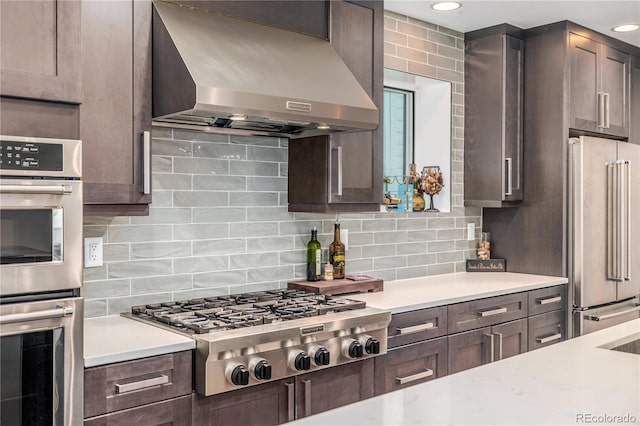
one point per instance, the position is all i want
(446, 5)
(238, 117)
(626, 28)
(323, 126)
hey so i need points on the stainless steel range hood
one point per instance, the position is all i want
(220, 73)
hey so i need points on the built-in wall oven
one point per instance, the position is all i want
(40, 279)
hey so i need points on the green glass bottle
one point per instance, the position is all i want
(337, 254)
(314, 257)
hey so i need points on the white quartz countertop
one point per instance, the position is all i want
(568, 383)
(115, 339)
(425, 292)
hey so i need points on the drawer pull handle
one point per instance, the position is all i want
(493, 312)
(142, 384)
(414, 377)
(416, 328)
(613, 315)
(549, 338)
(549, 300)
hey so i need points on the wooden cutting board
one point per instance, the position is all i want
(334, 287)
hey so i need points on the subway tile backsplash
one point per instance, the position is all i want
(219, 222)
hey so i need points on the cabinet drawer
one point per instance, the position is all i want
(547, 299)
(486, 312)
(130, 384)
(414, 326)
(547, 329)
(174, 412)
(410, 365)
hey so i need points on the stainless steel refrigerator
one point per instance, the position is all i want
(604, 232)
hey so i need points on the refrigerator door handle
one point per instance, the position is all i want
(627, 222)
(613, 315)
(612, 221)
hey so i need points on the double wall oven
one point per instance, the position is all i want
(40, 278)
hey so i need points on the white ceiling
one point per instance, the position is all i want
(600, 15)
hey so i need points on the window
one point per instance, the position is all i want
(398, 136)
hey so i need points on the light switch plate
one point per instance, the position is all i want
(92, 252)
(471, 231)
(344, 236)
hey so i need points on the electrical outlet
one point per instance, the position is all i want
(471, 231)
(92, 252)
(344, 237)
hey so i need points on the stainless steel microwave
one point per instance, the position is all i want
(40, 215)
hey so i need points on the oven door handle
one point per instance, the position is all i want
(36, 189)
(58, 312)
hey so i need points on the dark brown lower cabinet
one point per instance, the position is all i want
(268, 404)
(485, 345)
(174, 412)
(289, 399)
(547, 329)
(411, 364)
(333, 387)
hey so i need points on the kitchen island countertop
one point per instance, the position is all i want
(436, 290)
(116, 339)
(569, 383)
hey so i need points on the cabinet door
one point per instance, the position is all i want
(334, 387)
(410, 365)
(634, 122)
(513, 117)
(40, 50)
(615, 85)
(510, 339)
(268, 404)
(584, 83)
(357, 156)
(117, 109)
(470, 349)
(173, 412)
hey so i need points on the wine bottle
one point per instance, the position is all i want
(336, 254)
(314, 257)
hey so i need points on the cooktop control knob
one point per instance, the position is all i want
(261, 369)
(239, 375)
(321, 356)
(371, 345)
(300, 361)
(353, 349)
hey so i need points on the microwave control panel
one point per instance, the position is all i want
(30, 156)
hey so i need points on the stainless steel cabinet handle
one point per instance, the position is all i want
(36, 189)
(57, 312)
(339, 151)
(491, 312)
(509, 162)
(291, 414)
(307, 397)
(415, 328)
(162, 379)
(488, 350)
(414, 377)
(498, 355)
(627, 228)
(549, 300)
(146, 162)
(613, 315)
(549, 338)
(607, 111)
(601, 111)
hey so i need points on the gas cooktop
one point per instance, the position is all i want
(250, 338)
(215, 314)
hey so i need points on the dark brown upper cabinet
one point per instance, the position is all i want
(634, 122)
(599, 87)
(40, 50)
(343, 172)
(115, 124)
(493, 131)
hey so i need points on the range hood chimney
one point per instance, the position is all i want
(220, 73)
